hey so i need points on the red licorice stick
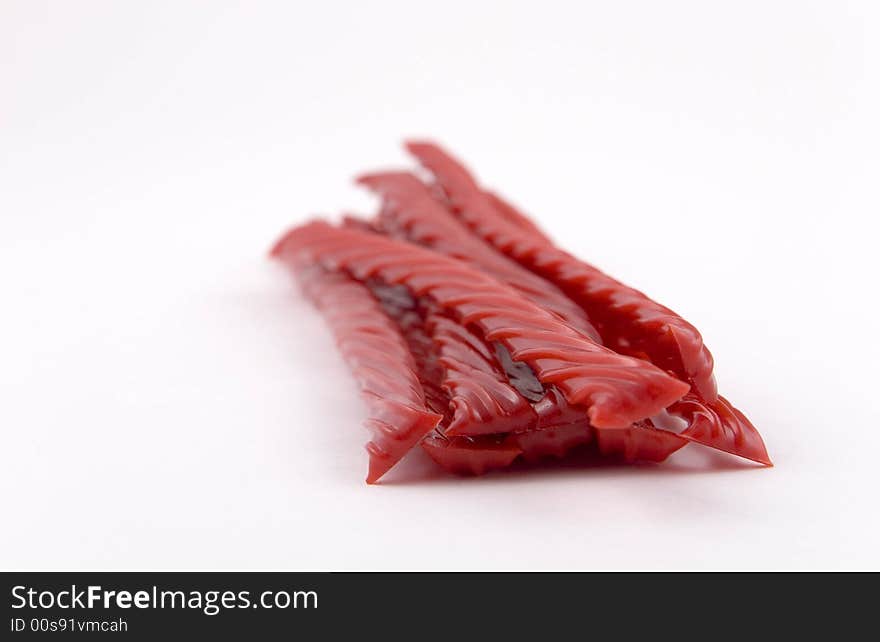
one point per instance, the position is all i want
(381, 362)
(719, 425)
(616, 390)
(409, 211)
(628, 321)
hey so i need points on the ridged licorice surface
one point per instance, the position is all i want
(380, 361)
(616, 390)
(409, 211)
(627, 320)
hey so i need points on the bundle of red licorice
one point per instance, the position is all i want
(474, 337)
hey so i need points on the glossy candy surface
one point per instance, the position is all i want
(627, 320)
(381, 363)
(615, 389)
(472, 335)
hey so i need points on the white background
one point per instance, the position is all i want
(168, 401)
